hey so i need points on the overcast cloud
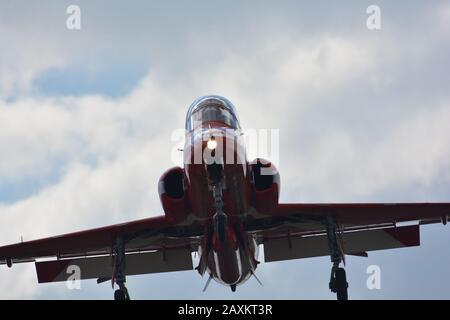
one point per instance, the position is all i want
(86, 119)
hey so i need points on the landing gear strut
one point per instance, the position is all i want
(220, 218)
(119, 270)
(338, 279)
(220, 225)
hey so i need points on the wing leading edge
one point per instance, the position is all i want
(369, 213)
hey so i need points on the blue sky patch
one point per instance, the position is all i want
(113, 81)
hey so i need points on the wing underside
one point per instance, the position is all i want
(102, 267)
(151, 245)
(294, 231)
(285, 247)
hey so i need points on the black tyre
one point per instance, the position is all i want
(341, 284)
(119, 295)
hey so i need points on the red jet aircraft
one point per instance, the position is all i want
(224, 207)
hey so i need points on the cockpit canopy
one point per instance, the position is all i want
(211, 108)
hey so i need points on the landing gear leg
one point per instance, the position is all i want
(338, 279)
(220, 218)
(220, 225)
(119, 271)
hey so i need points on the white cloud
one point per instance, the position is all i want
(340, 166)
(110, 153)
(19, 282)
(25, 54)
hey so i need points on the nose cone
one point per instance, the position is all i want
(214, 145)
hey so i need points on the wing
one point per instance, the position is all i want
(154, 245)
(370, 213)
(294, 231)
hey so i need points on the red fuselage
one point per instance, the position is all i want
(233, 261)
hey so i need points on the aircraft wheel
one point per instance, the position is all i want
(341, 284)
(119, 295)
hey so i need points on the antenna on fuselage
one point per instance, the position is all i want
(207, 282)
(253, 274)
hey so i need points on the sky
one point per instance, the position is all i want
(87, 116)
